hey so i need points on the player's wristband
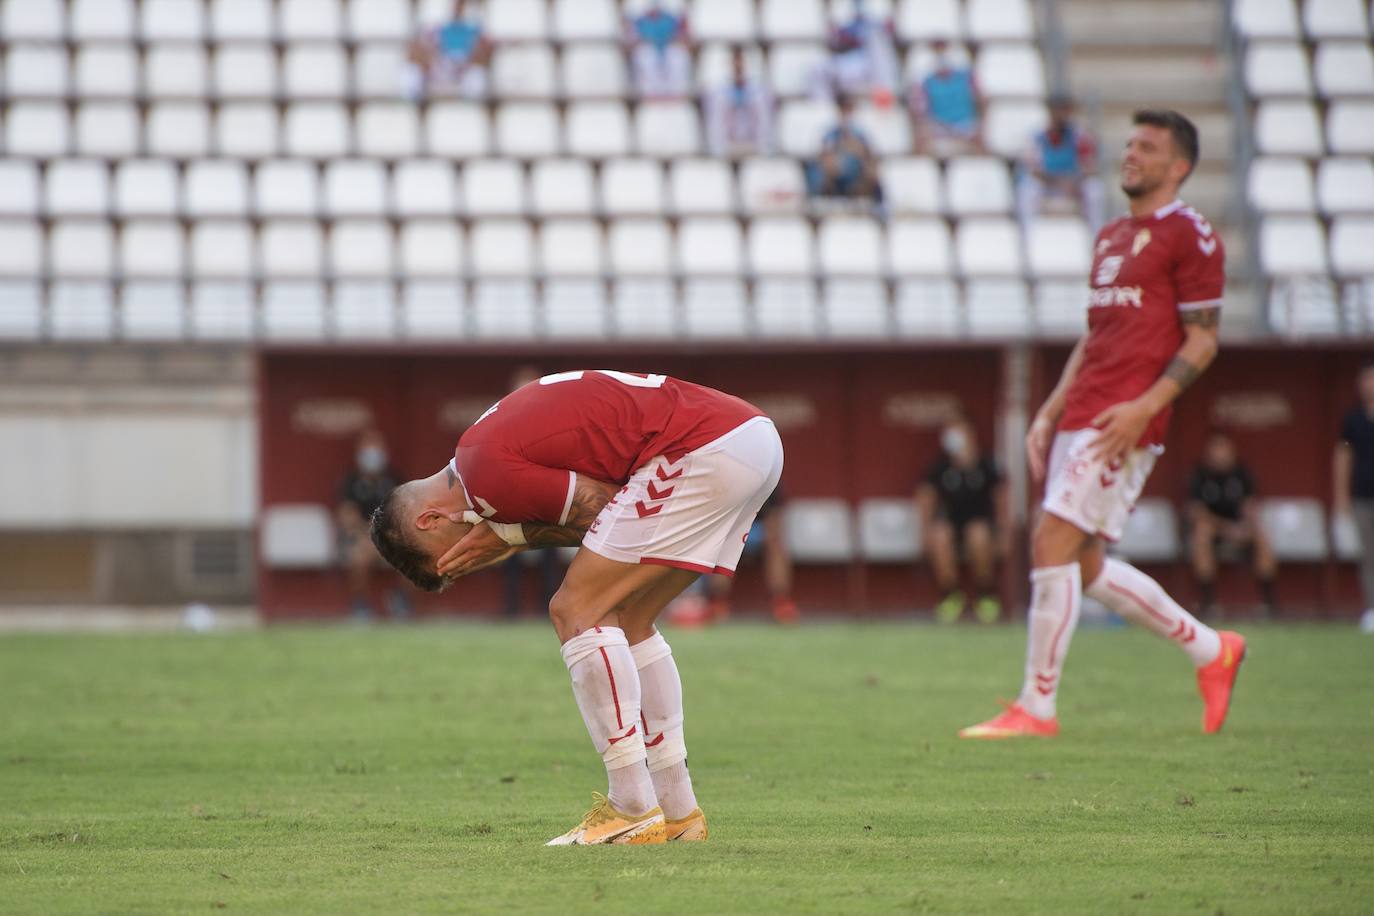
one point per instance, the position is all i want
(514, 535)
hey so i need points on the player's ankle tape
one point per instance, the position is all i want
(625, 752)
(587, 642)
(650, 650)
(672, 749)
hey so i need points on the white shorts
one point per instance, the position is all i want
(693, 513)
(1089, 493)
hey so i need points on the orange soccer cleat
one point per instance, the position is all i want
(1216, 680)
(1013, 722)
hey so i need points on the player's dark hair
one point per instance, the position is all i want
(1183, 131)
(389, 534)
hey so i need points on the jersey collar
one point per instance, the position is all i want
(1168, 208)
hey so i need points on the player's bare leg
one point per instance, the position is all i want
(980, 548)
(944, 565)
(777, 569)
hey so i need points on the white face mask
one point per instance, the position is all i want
(953, 441)
(372, 459)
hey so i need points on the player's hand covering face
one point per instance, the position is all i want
(479, 548)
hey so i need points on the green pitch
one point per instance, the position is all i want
(421, 769)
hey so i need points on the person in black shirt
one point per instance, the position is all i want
(1353, 479)
(364, 488)
(963, 507)
(1222, 510)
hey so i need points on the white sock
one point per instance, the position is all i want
(606, 686)
(661, 715)
(1136, 597)
(1056, 594)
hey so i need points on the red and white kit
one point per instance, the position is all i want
(695, 464)
(1146, 271)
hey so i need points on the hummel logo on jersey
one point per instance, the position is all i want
(1207, 246)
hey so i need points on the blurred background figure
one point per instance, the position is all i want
(1059, 170)
(963, 508)
(660, 53)
(1352, 476)
(846, 166)
(739, 114)
(947, 107)
(452, 57)
(862, 61)
(545, 565)
(364, 488)
(1223, 512)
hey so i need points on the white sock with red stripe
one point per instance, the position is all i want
(1136, 597)
(606, 686)
(661, 715)
(1056, 594)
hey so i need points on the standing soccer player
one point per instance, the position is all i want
(657, 481)
(1157, 279)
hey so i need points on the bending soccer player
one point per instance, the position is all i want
(1153, 311)
(658, 481)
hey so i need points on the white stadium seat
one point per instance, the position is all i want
(106, 71)
(36, 71)
(571, 248)
(180, 130)
(286, 187)
(364, 309)
(781, 246)
(709, 246)
(851, 245)
(584, 20)
(222, 310)
(77, 187)
(722, 20)
(293, 310)
(1010, 70)
(888, 129)
(244, 71)
(978, 185)
(791, 66)
(145, 187)
(502, 247)
(1010, 123)
(999, 20)
(1352, 246)
(597, 130)
(1277, 69)
(640, 247)
(926, 20)
(21, 248)
(1288, 128)
(701, 186)
(632, 187)
(784, 20)
(575, 309)
(1303, 306)
(919, 247)
(247, 130)
(176, 71)
(1280, 185)
(1151, 533)
(373, 20)
(1059, 246)
(1344, 68)
(592, 70)
(36, 129)
(786, 308)
(1350, 128)
(241, 20)
(18, 188)
(107, 129)
(291, 248)
(1061, 307)
(527, 130)
(771, 186)
(310, 20)
(1265, 18)
(517, 20)
(493, 187)
(81, 310)
(81, 248)
(1292, 245)
(152, 310)
(215, 187)
(523, 71)
(1296, 529)
(101, 20)
(431, 248)
(715, 309)
(434, 309)
(998, 308)
(361, 248)
(504, 309)
(457, 129)
(33, 20)
(152, 248)
(424, 187)
(1336, 18)
(988, 246)
(314, 71)
(562, 187)
(316, 129)
(644, 308)
(221, 249)
(388, 130)
(818, 530)
(889, 530)
(667, 129)
(802, 124)
(377, 69)
(1345, 185)
(355, 187)
(856, 308)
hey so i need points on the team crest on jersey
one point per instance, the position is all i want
(1107, 269)
(1142, 238)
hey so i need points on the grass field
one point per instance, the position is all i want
(420, 769)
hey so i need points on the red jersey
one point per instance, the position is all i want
(1145, 272)
(518, 462)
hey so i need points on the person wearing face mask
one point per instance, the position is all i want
(739, 114)
(364, 488)
(963, 510)
(846, 166)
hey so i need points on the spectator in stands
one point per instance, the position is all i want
(660, 53)
(1222, 511)
(362, 490)
(546, 564)
(739, 114)
(846, 166)
(947, 107)
(1352, 474)
(862, 60)
(962, 504)
(451, 57)
(1059, 168)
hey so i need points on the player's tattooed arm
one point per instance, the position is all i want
(1182, 372)
(1203, 318)
(589, 497)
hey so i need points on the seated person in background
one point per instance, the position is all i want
(862, 60)
(947, 107)
(1059, 167)
(362, 490)
(1352, 478)
(1222, 510)
(739, 114)
(846, 166)
(452, 57)
(963, 509)
(660, 56)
